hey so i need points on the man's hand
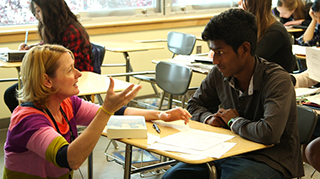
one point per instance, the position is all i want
(216, 121)
(227, 114)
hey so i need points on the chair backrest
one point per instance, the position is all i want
(180, 43)
(307, 119)
(98, 52)
(173, 78)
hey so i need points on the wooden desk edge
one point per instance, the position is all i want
(177, 156)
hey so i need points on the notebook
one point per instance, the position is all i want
(8, 55)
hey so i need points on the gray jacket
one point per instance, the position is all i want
(267, 109)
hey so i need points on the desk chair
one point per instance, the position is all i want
(307, 120)
(97, 56)
(179, 44)
(173, 79)
(300, 65)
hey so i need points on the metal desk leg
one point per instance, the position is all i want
(128, 65)
(90, 166)
(19, 79)
(127, 162)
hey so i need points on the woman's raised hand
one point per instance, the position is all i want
(114, 101)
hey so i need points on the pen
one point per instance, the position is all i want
(155, 126)
(26, 38)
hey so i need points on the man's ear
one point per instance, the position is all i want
(245, 49)
(47, 81)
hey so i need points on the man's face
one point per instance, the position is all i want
(228, 62)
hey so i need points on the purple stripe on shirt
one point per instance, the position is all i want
(18, 137)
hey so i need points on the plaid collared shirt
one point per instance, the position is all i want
(315, 41)
(77, 40)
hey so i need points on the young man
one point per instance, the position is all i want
(257, 101)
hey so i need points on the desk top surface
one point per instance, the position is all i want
(10, 64)
(242, 146)
(129, 46)
(195, 67)
(292, 30)
(91, 83)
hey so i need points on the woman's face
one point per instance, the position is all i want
(66, 78)
(38, 12)
(284, 12)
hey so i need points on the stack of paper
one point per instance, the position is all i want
(300, 92)
(196, 142)
(299, 50)
(314, 99)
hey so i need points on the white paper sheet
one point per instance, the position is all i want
(195, 139)
(300, 92)
(179, 125)
(314, 99)
(313, 63)
(299, 50)
(216, 151)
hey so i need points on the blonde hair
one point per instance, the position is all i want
(37, 62)
(297, 5)
(262, 10)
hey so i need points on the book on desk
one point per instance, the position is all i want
(8, 55)
(120, 126)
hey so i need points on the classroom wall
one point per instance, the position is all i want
(140, 60)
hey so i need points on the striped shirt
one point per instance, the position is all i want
(33, 142)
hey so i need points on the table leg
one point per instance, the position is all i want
(19, 79)
(127, 162)
(128, 65)
(90, 166)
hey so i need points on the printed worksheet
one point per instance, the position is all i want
(195, 139)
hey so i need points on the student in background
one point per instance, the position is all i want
(311, 36)
(313, 154)
(310, 151)
(293, 12)
(57, 25)
(274, 41)
(258, 102)
(42, 139)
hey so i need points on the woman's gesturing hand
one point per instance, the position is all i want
(114, 101)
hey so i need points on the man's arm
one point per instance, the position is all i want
(279, 100)
(205, 101)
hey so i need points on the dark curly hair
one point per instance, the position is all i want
(234, 27)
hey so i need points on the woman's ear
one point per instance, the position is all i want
(47, 81)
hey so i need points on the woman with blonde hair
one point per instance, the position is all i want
(274, 41)
(293, 12)
(42, 139)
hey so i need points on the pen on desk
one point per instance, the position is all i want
(155, 126)
(26, 38)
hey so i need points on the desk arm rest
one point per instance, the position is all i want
(154, 166)
(8, 79)
(151, 41)
(113, 65)
(131, 73)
